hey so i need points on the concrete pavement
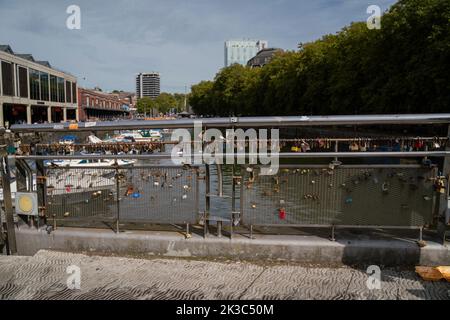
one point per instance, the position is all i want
(44, 276)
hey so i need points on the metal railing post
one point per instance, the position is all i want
(197, 197)
(332, 237)
(241, 195)
(220, 179)
(7, 199)
(233, 200)
(208, 200)
(117, 200)
(220, 194)
(41, 188)
(336, 149)
(444, 210)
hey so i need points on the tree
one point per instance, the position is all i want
(145, 105)
(201, 98)
(164, 102)
(180, 101)
(402, 68)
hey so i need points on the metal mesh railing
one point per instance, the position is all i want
(78, 194)
(348, 195)
(147, 194)
(159, 195)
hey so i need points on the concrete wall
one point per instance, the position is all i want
(301, 249)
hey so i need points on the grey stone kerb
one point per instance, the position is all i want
(300, 249)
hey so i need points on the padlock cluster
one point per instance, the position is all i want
(112, 148)
(405, 144)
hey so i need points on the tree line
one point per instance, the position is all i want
(161, 104)
(404, 67)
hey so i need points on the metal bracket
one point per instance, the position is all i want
(332, 237)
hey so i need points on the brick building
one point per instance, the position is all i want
(98, 105)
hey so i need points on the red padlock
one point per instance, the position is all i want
(418, 144)
(282, 214)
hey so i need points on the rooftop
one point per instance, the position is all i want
(27, 56)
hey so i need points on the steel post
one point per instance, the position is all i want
(117, 201)
(444, 198)
(7, 199)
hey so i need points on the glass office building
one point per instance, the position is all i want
(241, 51)
(32, 91)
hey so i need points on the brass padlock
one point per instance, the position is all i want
(440, 186)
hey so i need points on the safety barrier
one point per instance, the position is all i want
(377, 194)
(359, 195)
(87, 195)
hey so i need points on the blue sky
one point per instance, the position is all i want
(183, 40)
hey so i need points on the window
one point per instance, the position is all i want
(7, 79)
(68, 92)
(61, 95)
(74, 92)
(44, 86)
(35, 89)
(53, 88)
(23, 83)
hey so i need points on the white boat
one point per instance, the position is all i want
(94, 139)
(156, 134)
(97, 163)
(137, 136)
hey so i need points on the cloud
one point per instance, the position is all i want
(183, 40)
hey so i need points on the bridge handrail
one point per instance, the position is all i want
(238, 122)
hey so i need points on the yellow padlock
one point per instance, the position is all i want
(441, 185)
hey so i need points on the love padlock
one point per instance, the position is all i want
(440, 186)
(282, 213)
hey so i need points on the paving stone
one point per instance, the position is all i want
(44, 276)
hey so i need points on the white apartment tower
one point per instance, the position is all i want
(241, 51)
(148, 85)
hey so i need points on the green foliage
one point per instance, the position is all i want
(180, 101)
(201, 98)
(162, 104)
(145, 105)
(402, 68)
